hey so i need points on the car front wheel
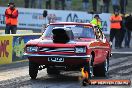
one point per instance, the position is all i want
(33, 69)
(88, 67)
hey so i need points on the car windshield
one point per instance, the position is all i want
(79, 31)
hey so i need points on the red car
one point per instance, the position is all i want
(69, 46)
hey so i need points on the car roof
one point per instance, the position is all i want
(71, 23)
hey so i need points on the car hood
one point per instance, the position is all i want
(42, 42)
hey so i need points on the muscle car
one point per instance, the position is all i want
(69, 46)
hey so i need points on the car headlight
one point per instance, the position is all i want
(32, 49)
(80, 50)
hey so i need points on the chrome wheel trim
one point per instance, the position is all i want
(106, 65)
(106, 68)
(90, 66)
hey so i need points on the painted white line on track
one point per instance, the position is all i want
(121, 52)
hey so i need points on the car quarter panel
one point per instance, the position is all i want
(100, 49)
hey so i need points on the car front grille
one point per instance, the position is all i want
(66, 50)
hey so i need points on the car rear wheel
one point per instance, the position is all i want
(33, 69)
(102, 69)
(52, 71)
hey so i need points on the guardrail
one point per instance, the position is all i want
(12, 46)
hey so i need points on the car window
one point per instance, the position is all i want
(79, 31)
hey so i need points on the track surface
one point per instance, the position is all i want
(16, 76)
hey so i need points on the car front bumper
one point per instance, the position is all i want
(68, 59)
(65, 56)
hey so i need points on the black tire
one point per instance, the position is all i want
(33, 69)
(102, 70)
(52, 71)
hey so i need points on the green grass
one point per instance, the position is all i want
(76, 4)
